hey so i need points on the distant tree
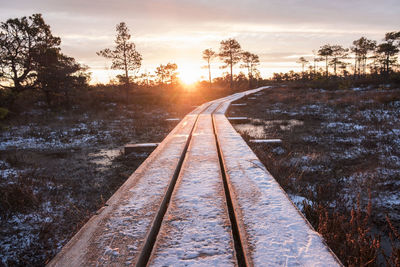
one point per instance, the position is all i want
(393, 37)
(22, 42)
(161, 74)
(388, 50)
(316, 59)
(208, 56)
(342, 65)
(58, 75)
(167, 73)
(250, 61)
(257, 74)
(375, 64)
(293, 76)
(361, 48)
(310, 69)
(146, 79)
(230, 53)
(338, 53)
(277, 76)
(303, 62)
(124, 55)
(326, 52)
(240, 79)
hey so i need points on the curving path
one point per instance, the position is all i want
(201, 198)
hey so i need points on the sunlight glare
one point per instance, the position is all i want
(189, 74)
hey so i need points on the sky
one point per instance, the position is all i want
(279, 31)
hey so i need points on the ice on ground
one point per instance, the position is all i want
(6, 171)
(299, 201)
(104, 157)
(344, 127)
(278, 150)
(353, 153)
(43, 138)
(380, 115)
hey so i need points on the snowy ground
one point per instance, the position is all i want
(337, 145)
(56, 169)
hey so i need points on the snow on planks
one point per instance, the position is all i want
(196, 227)
(201, 198)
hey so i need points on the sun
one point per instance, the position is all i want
(189, 75)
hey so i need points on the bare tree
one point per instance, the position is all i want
(361, 48)
(209, 55)
(316, 59)
(167, 73)
(230, 53)
(161, 73)
(326, 52)
(338, 53)
(303, 62)
(388, 50)
(124, 56)
(343, 67)
(251, 61)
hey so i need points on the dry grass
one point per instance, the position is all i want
(55, 182)
(343, 159)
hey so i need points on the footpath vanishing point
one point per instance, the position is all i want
(201, 198)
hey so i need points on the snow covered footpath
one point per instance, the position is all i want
(196, 228)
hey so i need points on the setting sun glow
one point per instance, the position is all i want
(189, 74)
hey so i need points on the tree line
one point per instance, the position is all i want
(364, 57)
(231, 53)
(31, 60)
(32, 65)
(125, 57)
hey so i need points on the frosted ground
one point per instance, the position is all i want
(337, 146)
(57, 168)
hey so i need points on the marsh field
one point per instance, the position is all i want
(59, 166)
(339, 161)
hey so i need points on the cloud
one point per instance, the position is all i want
(178, 30)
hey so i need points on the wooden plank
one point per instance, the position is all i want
(196, 228)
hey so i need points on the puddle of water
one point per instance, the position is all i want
(256, 129)
(285, 125)
(103, 158)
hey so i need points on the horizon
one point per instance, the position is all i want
(178, 31)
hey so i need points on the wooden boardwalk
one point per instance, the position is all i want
(201, 198)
